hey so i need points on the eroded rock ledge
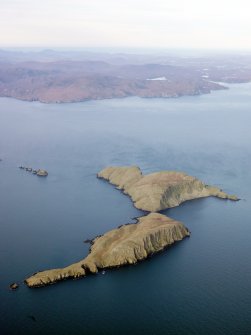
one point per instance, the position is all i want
(127, 244)
(160, 190)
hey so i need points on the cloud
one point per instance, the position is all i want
(146, 23)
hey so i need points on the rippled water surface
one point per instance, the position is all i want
(201, 285)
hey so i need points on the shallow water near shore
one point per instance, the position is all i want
(200, 285)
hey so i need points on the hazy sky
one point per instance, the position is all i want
(126, 23)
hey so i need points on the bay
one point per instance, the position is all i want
(199, 286)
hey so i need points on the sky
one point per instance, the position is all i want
(211, 24)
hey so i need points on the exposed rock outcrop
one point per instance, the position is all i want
(42, 173)
(160, 190)
(14, 286)
(127, 244)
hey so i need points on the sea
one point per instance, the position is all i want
(199, 286)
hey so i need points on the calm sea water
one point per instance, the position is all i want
(201, 285)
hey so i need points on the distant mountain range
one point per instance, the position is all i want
(56, 76)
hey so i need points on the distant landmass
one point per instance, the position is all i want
(57, 77)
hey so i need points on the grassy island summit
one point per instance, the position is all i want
(152, 233)
(160, 190)
(127, 244)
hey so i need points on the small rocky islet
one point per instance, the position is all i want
(152, 233)
(38, 172)
(14, 286)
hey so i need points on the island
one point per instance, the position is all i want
(160, 190)
(131, 243)
(124, 245)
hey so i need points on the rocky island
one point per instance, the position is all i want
(42, 173)
(152, 233)
(127, 244)
(39, 172)
(160, 190)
